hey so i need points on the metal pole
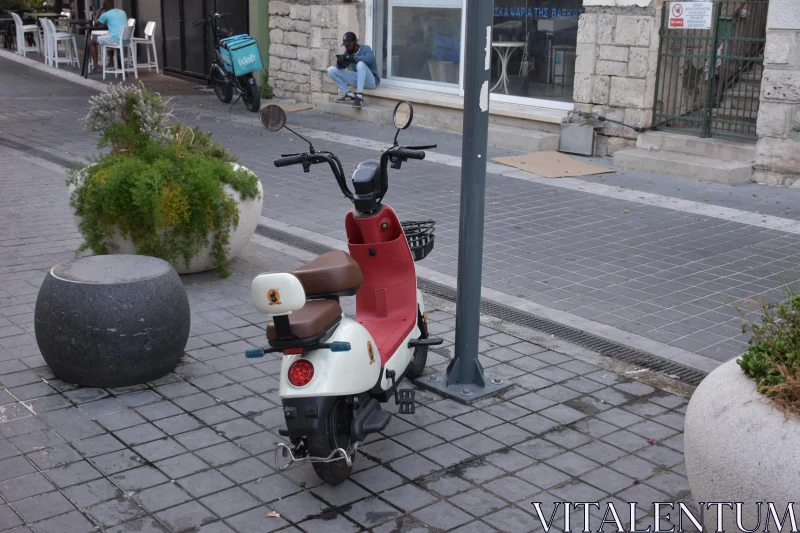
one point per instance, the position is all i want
(465, 369)
(464, 379)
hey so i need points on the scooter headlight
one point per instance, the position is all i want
(301, 372)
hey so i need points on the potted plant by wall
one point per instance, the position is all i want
(742, 426)
(164, 189)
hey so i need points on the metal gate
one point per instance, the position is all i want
(708, 81)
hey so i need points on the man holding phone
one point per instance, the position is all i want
(356, 68)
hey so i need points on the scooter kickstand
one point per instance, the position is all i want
(405, 398)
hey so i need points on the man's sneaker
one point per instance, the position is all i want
(346, 99)
(358, 101)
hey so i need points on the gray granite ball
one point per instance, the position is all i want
(112, 320)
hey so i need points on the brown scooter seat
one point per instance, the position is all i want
(313, 319)
(331, 274)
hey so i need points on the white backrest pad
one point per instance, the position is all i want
(150, 29)
(278, 294)
(126, 33)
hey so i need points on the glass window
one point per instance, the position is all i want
(419, 40)
(534, 45)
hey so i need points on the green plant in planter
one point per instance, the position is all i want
(162, 185)
(773, 357)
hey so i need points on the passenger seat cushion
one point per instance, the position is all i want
(311, 320)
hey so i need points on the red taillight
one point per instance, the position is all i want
(300, 373)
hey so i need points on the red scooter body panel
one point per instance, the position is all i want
(386, 303)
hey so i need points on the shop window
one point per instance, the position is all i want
(419, 40)
(534, 44)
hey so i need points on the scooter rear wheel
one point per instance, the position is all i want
(334, 432)
(221, 87)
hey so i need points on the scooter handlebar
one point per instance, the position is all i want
(428, 147)
(291, 160)
(411, 154)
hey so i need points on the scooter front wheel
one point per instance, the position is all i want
(335, 431)
(420, 359)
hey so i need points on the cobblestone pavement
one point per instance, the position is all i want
(664, 274)
(193, 451)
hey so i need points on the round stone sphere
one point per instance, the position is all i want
(112, 320)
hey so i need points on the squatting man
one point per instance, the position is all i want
(355, 69)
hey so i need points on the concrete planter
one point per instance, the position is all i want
(112, 320)
(739, 447)
(249, 213)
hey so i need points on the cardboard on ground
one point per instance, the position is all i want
(552, 165)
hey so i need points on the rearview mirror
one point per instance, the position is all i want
(273, 117)
(403, 115)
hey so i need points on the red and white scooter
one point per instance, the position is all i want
(337, 370)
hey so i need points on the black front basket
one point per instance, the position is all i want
(419, 234)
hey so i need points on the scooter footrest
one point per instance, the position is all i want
(406, 395)
(406, 401)
(407, 408)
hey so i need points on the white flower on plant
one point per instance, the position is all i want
(112, 106)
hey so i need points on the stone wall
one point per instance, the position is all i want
(305, 37)
(615, 69)
(778, 151)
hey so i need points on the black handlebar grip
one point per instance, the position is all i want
(286, 161)
(198, 22)
(412, 154)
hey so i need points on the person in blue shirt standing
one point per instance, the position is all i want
(115, 19)
(355, 69)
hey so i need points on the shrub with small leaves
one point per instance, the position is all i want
(773, 357)
(162, 186)
(127, 118)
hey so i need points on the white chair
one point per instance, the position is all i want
(22, 30)
(149, 41)
(52, 39)
(125, 41)
(132, 22)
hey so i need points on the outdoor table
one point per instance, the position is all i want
(77, 25)
(504, 49)
(90, 29)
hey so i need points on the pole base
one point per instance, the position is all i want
(463, 393)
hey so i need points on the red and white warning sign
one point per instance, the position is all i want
(690, 15)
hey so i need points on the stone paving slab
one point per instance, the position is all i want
(662, 274)
(193, 451)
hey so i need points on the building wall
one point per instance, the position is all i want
(259, 29)
(778, 151)
(305, 37)
(615, 69)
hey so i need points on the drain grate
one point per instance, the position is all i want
(575, 336)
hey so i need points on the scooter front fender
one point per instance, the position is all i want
(337, 373)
